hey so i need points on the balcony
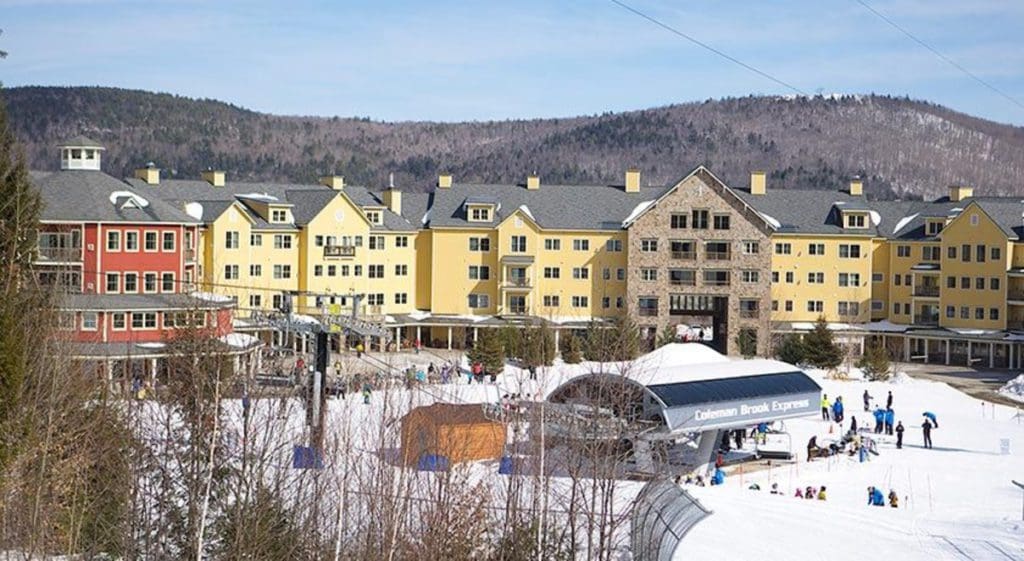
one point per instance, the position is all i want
(59, 254)
(926, 291)
(517, 310)
(517, 283)
(926, 319)
(190, 255)
(684, 255)
(331, 251)
(718, 255)
(1017, 295)
(1015, 323)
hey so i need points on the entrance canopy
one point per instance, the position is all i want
(687, 387)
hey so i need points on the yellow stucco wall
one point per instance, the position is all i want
(800, 291)
(973, 228)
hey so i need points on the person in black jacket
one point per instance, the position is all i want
(899, 435)
(926, 426)
(888, 401)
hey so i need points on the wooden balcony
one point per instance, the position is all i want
(59, 255)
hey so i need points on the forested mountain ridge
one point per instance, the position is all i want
(902, 147)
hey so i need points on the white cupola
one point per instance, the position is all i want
(80, 153)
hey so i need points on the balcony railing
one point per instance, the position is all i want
(517, 282)
(718, 255)
(928, 291)
(339, 251)
(1015, 324)
(1015, 295)
(190, 255)
(684, 255)
(926, 319)
(750, 314)
(517, 310)
(60, 254)
(647, 312)
(682, 282)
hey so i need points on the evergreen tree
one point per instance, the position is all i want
(537, 346)
(746, 340)
(791, 350)
(572, 349)
(618, 342)
(666, 337)
(875, 363)
(820, 348)
(489, 351)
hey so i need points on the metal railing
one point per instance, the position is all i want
(1015, 295)
(926, 319)
(339, 251)
(718, 255)
(517, 282)
(517, 310)
(59, 254)
(190, 255)
(684, 255)
(1015, 324)
(932, 291)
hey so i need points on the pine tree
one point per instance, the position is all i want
(618, 342)
(820, 348)
(875, 363)
(666, 337)
(791, 350)
(489, 351)
(572, 349)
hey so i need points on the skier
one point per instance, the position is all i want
(890, 417)
(926, 426)
(416, 345)
(821, 493)
(812, 447)
(799, 493)
(775, 489)
(894, 499)
(888, 400)
(738, 437)
(826, 405)
(810, 492)
(837, 410)
(875, 497)
(932, 417)
(853, 425)
(359, 350)
(718, 478)
(867, 401)
(879, 420)
(899, 435)
(533, 372)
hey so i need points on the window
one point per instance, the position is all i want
(775, 305)
(113, 283)
(848, 308)
(751, 277)
(683, 249)
(649, 245)
(980, 254)
(375, 271)
(345, 270)
(376, 242)
(721, 222)
(965, 253)
(149, 240)
(480, 214)
(118, 321)
(255, 300)
(965, 283)
(716, 278)
(896, 309)
(580, 273)
(700, 220)
(965, 312)
(358, 241)
(551, 301)
(580, 302)
(318, 241)
(677, 221)
(581, 245)
(789, 277)
(682, 277)
(619, 302)
(979, 313)
(933, 227)
(275, 301)
(815, 306)
(552, 272)
(376, 299)
(480, 244)
(951, 282)
(146, 320)
(613, 245)
(877, 305)
(993, 283)
(789, 305)
(518, 244)
(903, 251)
(256, 240)
(783, 249)
(907, 279)
(979, 283)
(877, 277)
(606, 302)
(620, 274)
(993, 313)
(318, 270)
(606, 273)
(401, 241)
(997, 254)
(131, 282)
(479, 272)
(373, 216)
(647, 306)
(479, 301)
(282, 271)
(951, 252)
(282, 241)
(279, 216)
(849, 279)
(357, 271)
(931, 253)
(168, 241)
(951, 312)
(816, 278)
(552, 244)
(231, 272)
(256, 270)
(131, 241)
(751, 248)
(167, 282)
(856, 221)
(332, 270)
(90, 321)
(401, 270)
(401, 298)
(114, 241)
(816, 249)
(775, 277)
(648, 274)
(717, 251)
(849, 251)
(231, 240)
(897, 280)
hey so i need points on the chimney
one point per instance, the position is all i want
(393, 200)
(533, 181)
(632, 180)
(150, 174)
(444, 181)
(958, 193)
(336, 182)
(758, 183)
(214, 177)
(856, 186)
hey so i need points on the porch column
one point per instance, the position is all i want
(398, 339)
(449, 338)
(969, 353)
(906, 349)
(927, 343)
(259, 359)
(152, 370)
(235, 364)
(991, 355)
(862, 346)
(476, 334)
(110, 370)
(557, 332)
(419, 334)
(947, 351)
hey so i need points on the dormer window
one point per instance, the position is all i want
(857, 220)
(374, 216)
(279, 216)
(933, 227)
(480, 214)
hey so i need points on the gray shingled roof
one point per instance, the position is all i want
(82, 195)
(138, 302)
(571, 207)
(81, 140)
(1008, 213)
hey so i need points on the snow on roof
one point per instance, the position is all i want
(884, 325)
(876, 218)
(240, 340)
(637, 211)
(426, 218)
(195, 210)
(419, 314)
(679, 354)
(150, 345)
(211, 297)
(137, 200)
(771, 220)
(303, 318)
(526, 211)
(904, 221)
(258, 197)
(698, 371)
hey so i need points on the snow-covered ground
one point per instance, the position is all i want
(1014, 389)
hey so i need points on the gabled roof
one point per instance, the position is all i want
(80, 141)
(93, 196)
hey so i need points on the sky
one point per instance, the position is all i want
(445, 60)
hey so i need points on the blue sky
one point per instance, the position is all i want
(449, 60)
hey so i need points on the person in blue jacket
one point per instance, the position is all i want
(932, 418)
(719, 477)
(890, 420)
(875, 497)
(879, 420)
(837, 410)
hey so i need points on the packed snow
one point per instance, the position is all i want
(195, 210)
(903, 222)
(1014, 389)
(212, 297)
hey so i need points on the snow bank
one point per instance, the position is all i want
(1014, 389)
(681, 354)
(900, 378)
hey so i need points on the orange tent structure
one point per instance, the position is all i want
(461, 433)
